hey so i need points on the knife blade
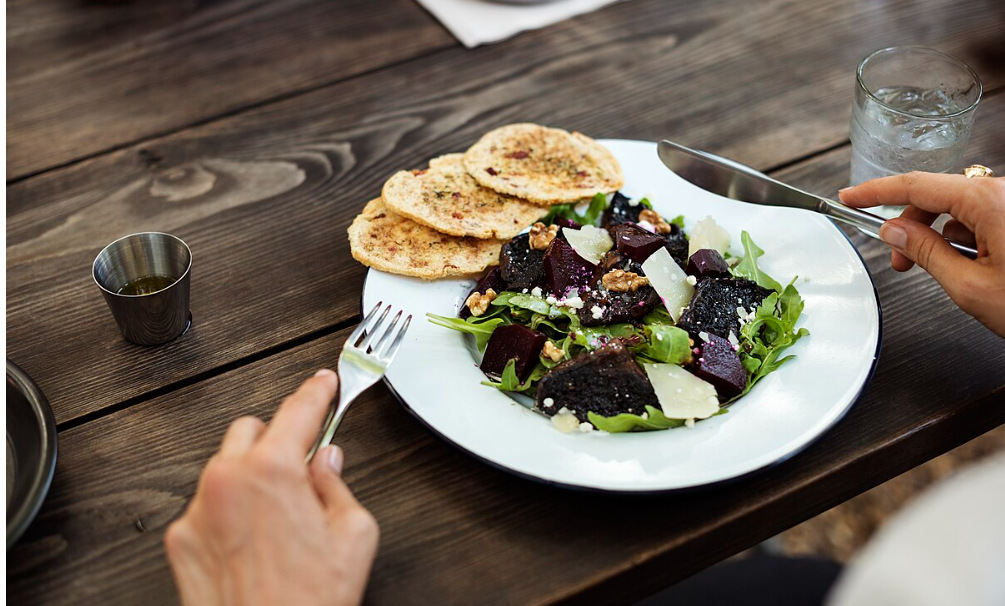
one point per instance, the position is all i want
(736, 181)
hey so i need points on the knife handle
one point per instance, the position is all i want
(871, 223)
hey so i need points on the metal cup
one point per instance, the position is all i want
(159, 314)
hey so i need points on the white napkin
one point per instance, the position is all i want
(476, 22)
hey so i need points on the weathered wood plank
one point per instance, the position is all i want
(84, 77)
(264, 198)
(453, 528)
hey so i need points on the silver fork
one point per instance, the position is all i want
(359, 368)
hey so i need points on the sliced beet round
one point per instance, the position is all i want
(492, 278)
(719, 364)
(564, 269)
(636, 243)
(512, 342)
(707, 263)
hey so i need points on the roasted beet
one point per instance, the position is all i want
(617, 307)
(606, 381)
(719, 364)
(713, 308)
(565, 269)
(492, 278)
(566, 223)
(636, 243)
(707, 263)
(520, 265)
(621, 210)
(614, 260)
(512, 342)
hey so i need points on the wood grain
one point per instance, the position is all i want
(263, 198)
(454, 528)
(85, 77)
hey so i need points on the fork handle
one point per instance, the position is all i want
(871, 223)
(335, 413)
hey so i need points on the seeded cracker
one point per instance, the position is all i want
(543, 165)
(383, 240)
(447, 199)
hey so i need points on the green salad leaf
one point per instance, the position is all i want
(772, 329)
(510, 382)
(625, 422)
(666, 344)
(598, 204)
(481, 330)
(747, 267)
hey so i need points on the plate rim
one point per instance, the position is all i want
(678, 489)
(25, 513)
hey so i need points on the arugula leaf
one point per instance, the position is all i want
(666, 344)
(510, 382)
(678, 221)
(597, 336)
(647, 204)
(626, 422)
(747, 267)
(772, 329)
(568, 211)
(482, 330)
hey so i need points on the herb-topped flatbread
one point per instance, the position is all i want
(446, 198)
(387, 241)
(542, 165)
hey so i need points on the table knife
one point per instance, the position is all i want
(738, 182)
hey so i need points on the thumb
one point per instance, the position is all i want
(326, 475)
(926, 247)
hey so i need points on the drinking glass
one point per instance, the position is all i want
(913, 110)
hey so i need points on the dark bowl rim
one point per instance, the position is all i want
(25, 511)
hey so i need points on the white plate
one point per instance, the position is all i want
(436, 378)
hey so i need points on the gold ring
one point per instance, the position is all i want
(976, 170)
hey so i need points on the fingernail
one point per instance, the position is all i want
(324, 372)
(894, 235)
(336, 459)
(843, 190)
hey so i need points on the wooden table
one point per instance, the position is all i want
(256, 131)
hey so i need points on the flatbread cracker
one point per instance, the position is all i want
(383, 240)
(543, 165)
(446, 198)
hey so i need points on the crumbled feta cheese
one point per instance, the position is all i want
(548, 402)
(585, 427)
(525, 291)
(692, 280)
(552, 300)
(689, 423)
(633, 202)
(597, 311)
(733, 340)
(703, 336)
(537, 291)
(644, 415)
(573, 292)
(565, 421)
(573, 302)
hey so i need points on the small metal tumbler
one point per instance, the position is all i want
(145, 280)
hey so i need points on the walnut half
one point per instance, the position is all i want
(653, 218)
(479, 303)
(552, 352)
(623, 281)
(541, 235)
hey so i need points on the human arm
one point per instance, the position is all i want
(266, 528)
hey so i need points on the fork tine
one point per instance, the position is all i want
(372, 332)
(356, 334)
(387, 333)
(392, 348)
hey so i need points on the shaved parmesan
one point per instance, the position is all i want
(669, 280)
(681, 394)
(589, 242)
(708, 234)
